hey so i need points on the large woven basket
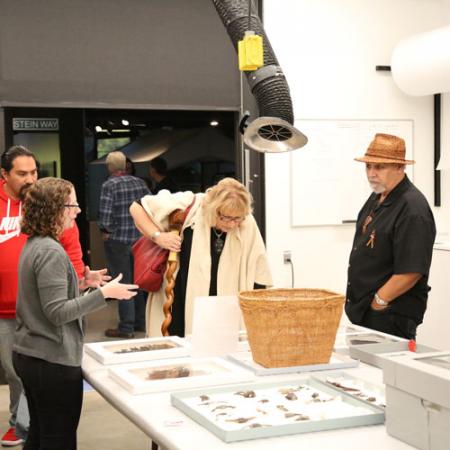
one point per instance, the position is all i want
(291, 327)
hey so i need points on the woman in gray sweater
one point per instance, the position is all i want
(49, 337)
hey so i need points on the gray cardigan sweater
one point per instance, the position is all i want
(49, 305)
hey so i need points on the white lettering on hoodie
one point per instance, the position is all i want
(10, 225)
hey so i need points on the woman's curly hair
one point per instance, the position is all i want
(227, 197)
(43, 207)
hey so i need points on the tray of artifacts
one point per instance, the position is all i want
(258, 410)
(245, 359)
(133, 350)
(371, 348)
(179, 373)
(355, 387)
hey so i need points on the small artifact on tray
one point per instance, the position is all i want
(144, 348)
(359, 389)
(258, 425)
(297, 416)
(173, 372)
(223, 407)
(240, 419)
(341, 386)
(246, 394)
(290, 396)
(285, 391)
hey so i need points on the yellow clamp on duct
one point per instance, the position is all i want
(251, 52)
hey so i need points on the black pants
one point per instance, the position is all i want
(55, 395)
(388, 321)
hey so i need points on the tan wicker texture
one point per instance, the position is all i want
(291, 327)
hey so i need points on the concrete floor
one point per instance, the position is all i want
(101, 426)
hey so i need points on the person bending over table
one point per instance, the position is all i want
(221, 248)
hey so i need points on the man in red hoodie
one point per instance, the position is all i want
(19, 171)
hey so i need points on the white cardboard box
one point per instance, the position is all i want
(418, 399)
(373, 354)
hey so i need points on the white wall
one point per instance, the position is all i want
(328, 50)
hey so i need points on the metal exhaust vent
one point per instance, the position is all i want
(273, 131)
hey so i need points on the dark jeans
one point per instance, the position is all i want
(388, 321)
(55, 395)
(131, 312)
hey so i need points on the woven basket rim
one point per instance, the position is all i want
(294, 295)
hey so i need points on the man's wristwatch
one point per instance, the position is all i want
(379, 301)
(155, 234)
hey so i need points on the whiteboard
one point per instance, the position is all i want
(328, 187)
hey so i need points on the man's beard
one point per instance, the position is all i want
(377, 187)
(23, 190)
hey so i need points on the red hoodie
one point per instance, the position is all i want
(11, 243)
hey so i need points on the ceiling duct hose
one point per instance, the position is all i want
(273, 131)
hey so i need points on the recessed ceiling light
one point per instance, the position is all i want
(214, 123)
(98, 128)
(125, 122)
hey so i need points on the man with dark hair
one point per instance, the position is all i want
(19, 171)
(158, 173)
(387, 287)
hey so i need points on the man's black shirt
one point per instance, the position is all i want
(397, 238)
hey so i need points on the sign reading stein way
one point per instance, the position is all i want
(35, 124)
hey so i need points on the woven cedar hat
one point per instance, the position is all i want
(387, 149)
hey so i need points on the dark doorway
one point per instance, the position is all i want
(198, 147)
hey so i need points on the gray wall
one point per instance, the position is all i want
(116, 53)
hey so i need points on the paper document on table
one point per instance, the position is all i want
(215, 326)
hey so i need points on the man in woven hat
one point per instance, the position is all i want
(390, 259)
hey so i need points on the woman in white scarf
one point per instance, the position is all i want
(221, 248)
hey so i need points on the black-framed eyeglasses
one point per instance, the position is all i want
(72, 206)
(230, 219)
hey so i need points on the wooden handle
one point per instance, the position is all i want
(173, 256)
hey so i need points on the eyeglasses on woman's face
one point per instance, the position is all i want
(75, 205)
(229, 219)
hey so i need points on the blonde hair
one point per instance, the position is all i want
(227, 197)
(116, 161)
